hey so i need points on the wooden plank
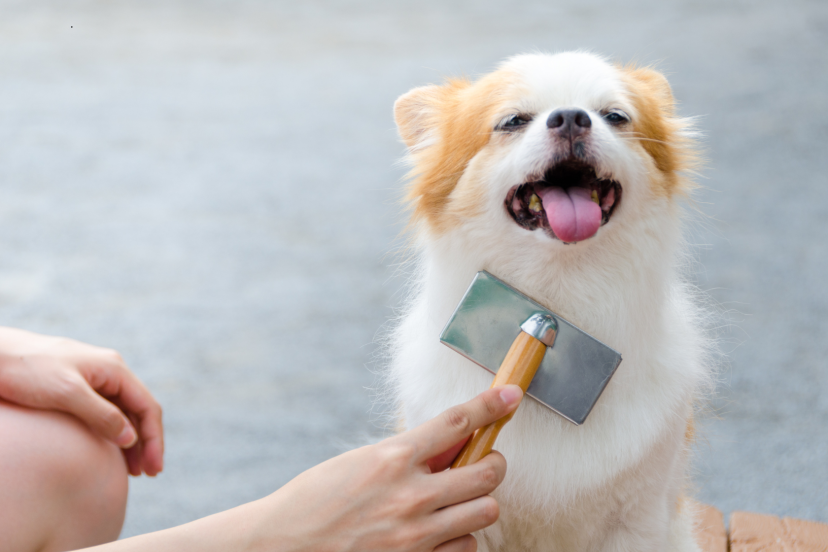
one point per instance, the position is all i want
(764, 533)
(710, 529)
(757, 533)
(807, 536)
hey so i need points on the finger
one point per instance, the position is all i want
(103, 417)
(133, 455)
(115, 381)
(466, 543)
(442, 461)
(148, 453)
(464, 518)
(133, 459)
(470, 482)
(457, 423)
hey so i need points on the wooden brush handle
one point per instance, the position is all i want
(519, 367)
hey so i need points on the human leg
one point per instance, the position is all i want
(61, 486)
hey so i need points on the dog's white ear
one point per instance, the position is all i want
(415, 113)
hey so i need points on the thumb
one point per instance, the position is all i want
(103, 417)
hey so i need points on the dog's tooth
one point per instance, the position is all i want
(535, 203)
(609, 199)
(594, 197)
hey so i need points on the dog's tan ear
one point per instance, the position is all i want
(668, 138)
(653, 84)
(415, 113)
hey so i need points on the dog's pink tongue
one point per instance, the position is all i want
(571, 213)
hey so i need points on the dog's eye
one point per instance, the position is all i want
(616, 117)
(514, 122)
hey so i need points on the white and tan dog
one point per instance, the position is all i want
(560, 174)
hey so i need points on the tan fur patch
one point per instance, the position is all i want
(460, 113)
(681, 503)
(658, 128)
(414, 111)
(690, 431)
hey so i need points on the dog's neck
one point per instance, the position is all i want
(613, 288)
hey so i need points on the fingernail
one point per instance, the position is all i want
(127, 437)
(511, 394)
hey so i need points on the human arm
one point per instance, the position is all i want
(91, 383)
(395, 495)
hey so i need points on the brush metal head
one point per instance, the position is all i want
(542, 327)
(576, 367)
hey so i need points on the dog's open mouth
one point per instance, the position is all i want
(570, 203)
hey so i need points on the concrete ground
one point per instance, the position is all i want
(207, 185)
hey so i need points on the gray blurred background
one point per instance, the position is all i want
(198, 184)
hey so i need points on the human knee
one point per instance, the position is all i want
(91, 480)
(76, 481)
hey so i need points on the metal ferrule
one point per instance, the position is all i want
(542, 327)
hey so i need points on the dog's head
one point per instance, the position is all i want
(555, 149)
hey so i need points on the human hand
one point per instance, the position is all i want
(91, 383)
(395, 495)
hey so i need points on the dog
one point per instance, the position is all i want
(562, 175)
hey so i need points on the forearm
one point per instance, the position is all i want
(229, 530)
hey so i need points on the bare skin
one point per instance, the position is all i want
(61, 486)
(395, 495)
(74, 421)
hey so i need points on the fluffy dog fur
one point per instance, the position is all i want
(615, 483)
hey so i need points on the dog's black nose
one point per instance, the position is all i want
(569, 121)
